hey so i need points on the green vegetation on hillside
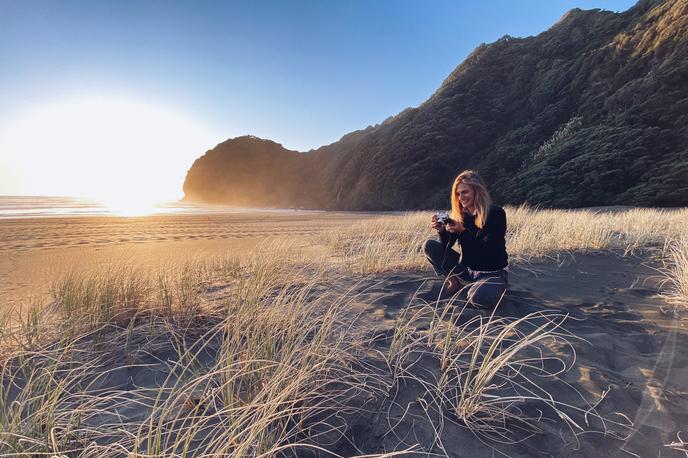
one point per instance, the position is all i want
(593, 111)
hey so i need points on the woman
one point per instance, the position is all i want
(480, 228)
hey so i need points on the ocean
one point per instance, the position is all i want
(48, 206)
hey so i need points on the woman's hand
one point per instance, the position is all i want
(437, 226)
(455, 227)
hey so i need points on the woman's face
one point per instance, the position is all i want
(466, 195)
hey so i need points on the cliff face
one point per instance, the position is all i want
(245, 171)
(593, 111)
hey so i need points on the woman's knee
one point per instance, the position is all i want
(487, 293)
(431, 247)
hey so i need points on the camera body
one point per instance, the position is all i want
(443, 218)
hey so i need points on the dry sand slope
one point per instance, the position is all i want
(624, 392)
(630, 347)
(627, 388)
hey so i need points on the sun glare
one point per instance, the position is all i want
(127, 207)
(126, 153)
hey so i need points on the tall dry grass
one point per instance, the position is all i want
(259, 370)
(394, 242)
(380, 244)
(252, 355)
(676, 271)
(491, 366)
(492, 372)
(535, 233)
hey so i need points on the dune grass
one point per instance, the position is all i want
(252, 354)
(257, 372)
(380, 244)
(492, 367)
(394, 242)
(676, 271)
(491, 373)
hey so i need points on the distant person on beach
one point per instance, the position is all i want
(480, 228)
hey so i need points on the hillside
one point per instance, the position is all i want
(593, 111)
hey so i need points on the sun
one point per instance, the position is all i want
(118, 150)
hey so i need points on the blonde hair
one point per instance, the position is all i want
(482, 200)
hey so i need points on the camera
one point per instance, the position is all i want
(443, 218)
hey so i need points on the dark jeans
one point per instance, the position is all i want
(486, 287)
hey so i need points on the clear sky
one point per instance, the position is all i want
(302, 73)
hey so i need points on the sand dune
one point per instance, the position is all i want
(629, 361)
(623, 392)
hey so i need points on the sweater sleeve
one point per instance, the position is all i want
(491, 238)
(447, 239)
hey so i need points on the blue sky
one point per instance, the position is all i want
(302, 73)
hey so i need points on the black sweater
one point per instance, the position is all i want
(481, 249)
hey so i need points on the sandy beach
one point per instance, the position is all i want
(613, 366)
(344, 229)
(36, 251)
(629, 362)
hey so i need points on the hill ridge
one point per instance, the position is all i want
(592, 111)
